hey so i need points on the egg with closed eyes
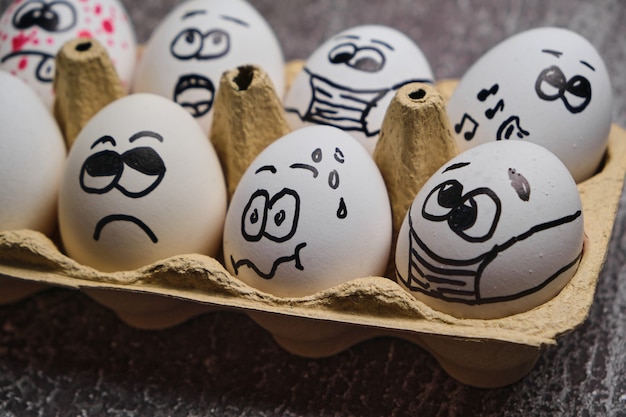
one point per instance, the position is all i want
(142, 183)
(349, 80)
(310, 212)
(33, 31)
(548, 86)
(496, 231)
(196, 43)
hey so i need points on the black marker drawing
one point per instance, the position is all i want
(195, 93)
(484, 93)
(575, 93)
(509, 127)
(490, 113)
(56, 16)
(276, 217)
(470, 130)
(458, 280)
(102, 172)
(520, 184)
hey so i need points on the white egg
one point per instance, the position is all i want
(548, 86)
(196, 43)
(142, 183)
(496, 231)
(349, 81)
(310, 213)
(33, 31)
(32, 156)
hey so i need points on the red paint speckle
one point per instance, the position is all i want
(84, 34)
(20, 40)
(107, 25)
(22, 64)
(50, 40)
(110, 42)
(98, 9)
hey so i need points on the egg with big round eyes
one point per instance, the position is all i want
(496, 231)
(32, 157)
(310, 212)
(349, 80)
(546, 85)
(33, 31)
(196, 43)
(142, 183)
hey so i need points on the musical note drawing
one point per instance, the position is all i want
(469, 134)
(484, 93)
(490, 113)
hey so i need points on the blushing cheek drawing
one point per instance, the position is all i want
(104, 171)
(274, 217)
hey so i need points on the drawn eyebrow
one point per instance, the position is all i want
(235, 20)
(305, 166)
(270, 168)
(588, 65)
(383, 44)
(552, 52)
(104, 139)
(193, 13)
(348, 37)
(146, 133)
(456, 166)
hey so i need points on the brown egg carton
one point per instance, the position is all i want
(483, 353)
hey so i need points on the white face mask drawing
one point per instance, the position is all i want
(349, 80)
(478, 236)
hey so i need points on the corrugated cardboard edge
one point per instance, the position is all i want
(173, 290)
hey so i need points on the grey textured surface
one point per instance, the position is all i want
(62, 354)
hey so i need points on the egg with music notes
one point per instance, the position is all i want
(496, 231)
(142, 183)
(546, 85)
(196, 43)
(32, 157)
(310, 212)
(33, 31)
(349, 81)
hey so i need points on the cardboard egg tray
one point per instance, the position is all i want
(483, 353)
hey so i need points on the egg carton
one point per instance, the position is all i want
(477, 352)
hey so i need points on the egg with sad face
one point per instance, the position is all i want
(142, 183)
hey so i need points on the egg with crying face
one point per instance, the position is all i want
(310, 213)
(142, 183)
(496, 231)
(548, 86)
(349, 81)
(32, 157)
(33, 31)
(196, 43)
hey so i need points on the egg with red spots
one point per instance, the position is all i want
(33, 31)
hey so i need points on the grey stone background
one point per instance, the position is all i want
(62, 354)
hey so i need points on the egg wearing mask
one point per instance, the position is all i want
(33, 31)
(310, 212)
(196, 43)
(547, 85)
(496, 231)
(350, 79)
(142, 183)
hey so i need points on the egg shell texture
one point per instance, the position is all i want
(546, 85)
(142, 183)
(32, 156)
(310, 212)
(349, 80)
(33, 31)
(496, 231)
(196, 43)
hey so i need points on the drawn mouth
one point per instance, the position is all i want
(269, 275)
(195, 93)
(123, 217)
(44, 71)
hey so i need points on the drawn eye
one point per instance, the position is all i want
(100, 172)
(368, 60)
(283, 216)
(441, 199)
(145, 160)
(476, 218)
(550, 83)
(215, 44)
(255, 216)
(577, 94)
(187, 44)
(342, 53)
(57, 16)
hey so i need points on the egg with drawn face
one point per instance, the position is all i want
(496, 231)
(310, 213)
(142, 183)
(349, 80)
(33, 31)
(196, 43)
(548, 86)
(32, 157)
